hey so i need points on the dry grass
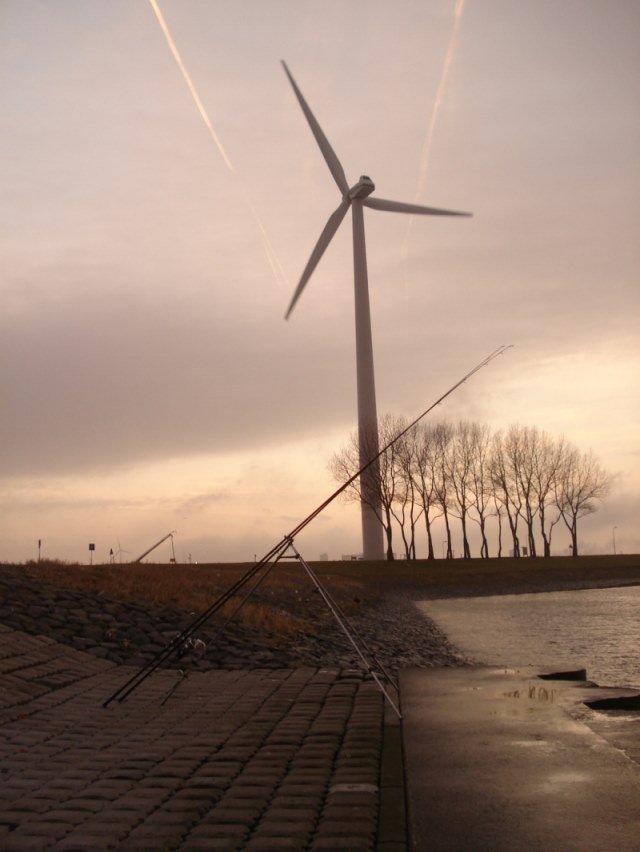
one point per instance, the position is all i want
(287, 603)
(465, 576)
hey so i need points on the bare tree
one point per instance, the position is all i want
(523, 443)
(480, 480)
(443, 436)
(382, 488)
(498, 514)
(546, 462)
(459, 464)
(424, 472)
(580, 484)
(504, 490)
(436, 470)
(409, 508)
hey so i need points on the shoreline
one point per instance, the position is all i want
(534, 588)
(127, 633)
(288, 625)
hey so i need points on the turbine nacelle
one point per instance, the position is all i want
(364, 187)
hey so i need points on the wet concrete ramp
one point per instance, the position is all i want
(501, 759)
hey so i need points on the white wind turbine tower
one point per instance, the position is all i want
(357, 197)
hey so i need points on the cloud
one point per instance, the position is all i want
(16, 504)
(202, 502)
(98, 380)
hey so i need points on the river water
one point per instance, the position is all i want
(595, 629)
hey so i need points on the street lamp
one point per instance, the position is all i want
(614, 540)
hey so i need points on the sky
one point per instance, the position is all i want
(148, 379)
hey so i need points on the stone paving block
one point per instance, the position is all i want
(257, 751)
(69, 816)
(134, 844)
(259, 776)
(321, 763)
(292, 815)
(220, 830)
(163, 820)
(90, 805)
(13, 818)
(151, 839)
(274, 844)
(285, 828)
(247, 790)
(236, 814)
(47, 831)
(190, 808)
(316, 748)
(316, 778)
(110, 830)
(341, 844)
(82, 843)
(353, 797)
(173, 769)
(354, 777)
(346, 813)
(25, 805)
(142, 807)
(302, 787)
(199, 845)
(17, 843)
(118, 774)
(256, 805)
(156, 786)
(341, 828)
(308, 801)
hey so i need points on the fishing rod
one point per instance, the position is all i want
(278, 550)
(499, 351)
(177, 643)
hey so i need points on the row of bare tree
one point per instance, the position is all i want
(521, 480)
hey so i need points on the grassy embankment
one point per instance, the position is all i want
(287, 602)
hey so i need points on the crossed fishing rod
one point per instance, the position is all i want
(280, 551)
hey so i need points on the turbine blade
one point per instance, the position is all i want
(401, 207)
(326, 236)
(328, 153)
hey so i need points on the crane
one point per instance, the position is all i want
(157, 544)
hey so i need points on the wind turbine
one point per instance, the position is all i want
(120, 551)
(356, 197)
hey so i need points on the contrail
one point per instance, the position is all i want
(189, 82)
(426, 148)
(274, 263)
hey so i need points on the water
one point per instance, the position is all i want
(595, 629)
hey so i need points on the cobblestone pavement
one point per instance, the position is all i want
(246, 760)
